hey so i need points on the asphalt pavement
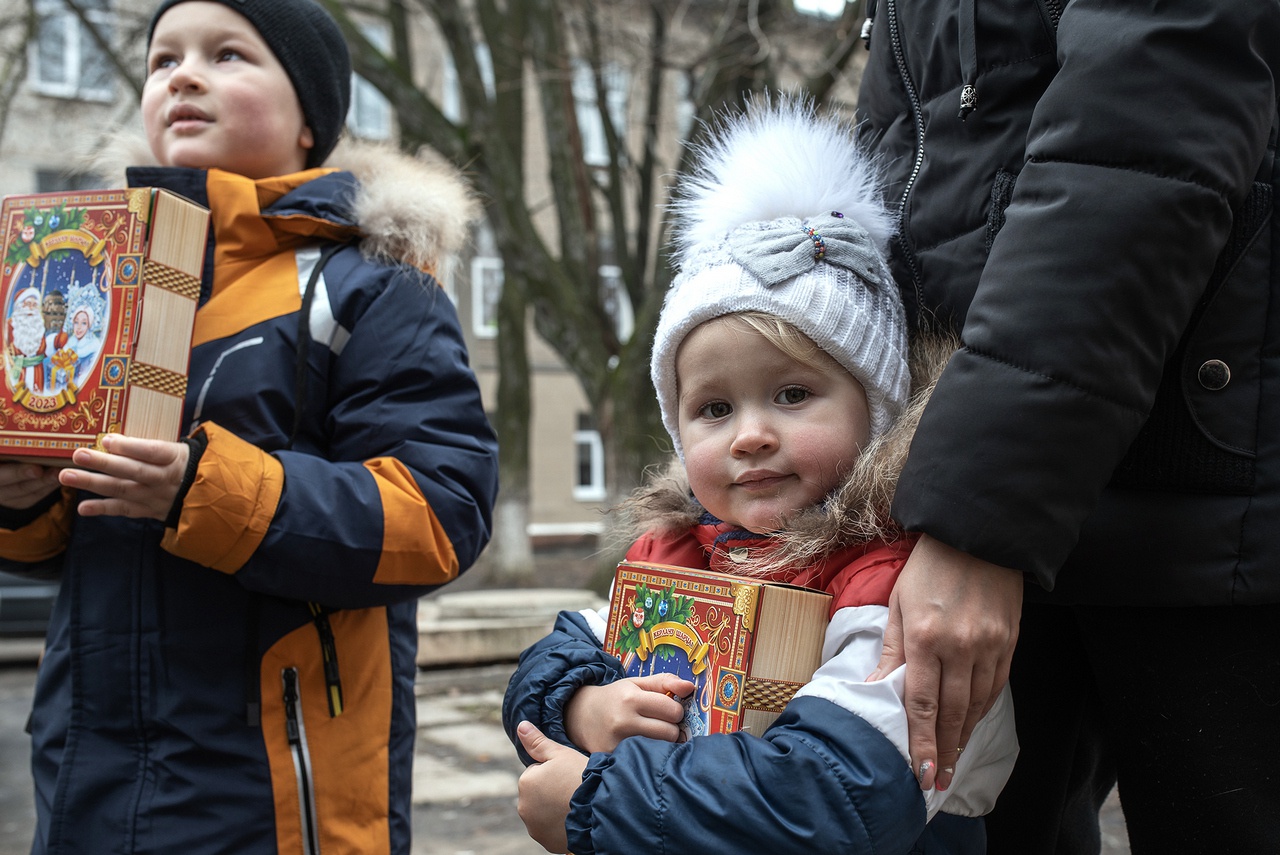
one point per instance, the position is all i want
(465, 770)
(464, 776)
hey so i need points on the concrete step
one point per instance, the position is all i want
(476, 627)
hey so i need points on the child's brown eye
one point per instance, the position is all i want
(715, 410)
(792, 395)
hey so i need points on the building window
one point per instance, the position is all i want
(486, 284)
(595, 147)
(486, 291)
(686, 111)
(821, 8)
(588, 459)
(64, 59)
(57, 180)
(451, 94)
(370, 114)
(616, 302)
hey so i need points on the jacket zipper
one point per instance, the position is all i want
(1054, 8)
(297, 733)
(329, 652)
(917, 115)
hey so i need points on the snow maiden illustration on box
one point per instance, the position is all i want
(57, 283)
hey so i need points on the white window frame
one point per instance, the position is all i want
(77, 45)
(611, 284)
(595, 148)
(450, 93)
(595, 490)
(369, 116)
(685, 110)
(487, 274)
(829, 9)
(450, 89)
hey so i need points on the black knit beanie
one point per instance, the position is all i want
(310, 47)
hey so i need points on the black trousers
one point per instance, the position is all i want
(1180, 707)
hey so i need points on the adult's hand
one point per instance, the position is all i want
(953, 620)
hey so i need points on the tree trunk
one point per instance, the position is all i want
(511, 561)
(509, 558)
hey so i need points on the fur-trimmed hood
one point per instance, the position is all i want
(416, 210)
(856, 512)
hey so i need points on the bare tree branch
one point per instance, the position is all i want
(103, 42)
(14, 70)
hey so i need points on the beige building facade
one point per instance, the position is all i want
(61, 96)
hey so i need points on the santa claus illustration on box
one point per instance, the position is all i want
(28, 341)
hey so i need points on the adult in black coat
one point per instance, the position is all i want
(1087, 192)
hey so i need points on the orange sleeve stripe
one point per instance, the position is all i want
(415, 548)
(43, 538)
(231, 503)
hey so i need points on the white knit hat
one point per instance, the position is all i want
(783, 215)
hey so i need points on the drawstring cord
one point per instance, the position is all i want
(253, 619)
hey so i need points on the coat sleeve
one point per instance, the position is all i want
(832, 774)
(36, 535)
(550, 671)
(1112, 233)
(851, 651)
(819, 780)
(402, 500)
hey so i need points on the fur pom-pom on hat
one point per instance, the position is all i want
(783, 214)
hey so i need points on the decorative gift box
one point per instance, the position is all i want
(746, 644)
(99, 294)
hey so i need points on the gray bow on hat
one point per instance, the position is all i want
(778, 250)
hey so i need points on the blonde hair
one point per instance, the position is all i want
(780, 333)
(783, 335)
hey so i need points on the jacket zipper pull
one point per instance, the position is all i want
(292, 730)
(301, 763)
(329, 653)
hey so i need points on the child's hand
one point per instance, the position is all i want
(597, 718)
(547, 786)
(24, 484)
(135, 477)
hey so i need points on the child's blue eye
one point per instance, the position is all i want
(229, 55)
(792, 395)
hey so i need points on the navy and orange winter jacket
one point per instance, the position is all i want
(243, 682)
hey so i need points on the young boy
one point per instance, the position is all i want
(231, 662)
(780, 367)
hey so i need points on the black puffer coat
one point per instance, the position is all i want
(1102, 228)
